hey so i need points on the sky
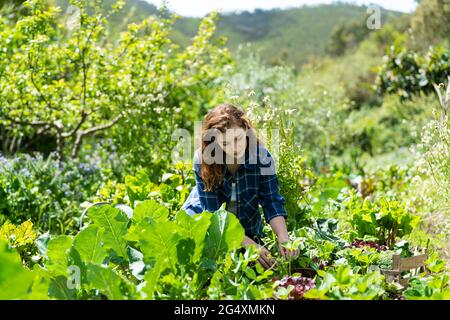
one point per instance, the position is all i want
(199, 8)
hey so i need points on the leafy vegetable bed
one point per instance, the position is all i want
(159, 252)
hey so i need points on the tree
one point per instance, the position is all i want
(347, 35)
(54, 79)
(408, 73)
(12, 9)
(431, 23)
(61, 76)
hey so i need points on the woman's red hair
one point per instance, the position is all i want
(221, 118)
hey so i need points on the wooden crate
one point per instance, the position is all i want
(399, 265)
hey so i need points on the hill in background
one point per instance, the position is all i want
(282, 36)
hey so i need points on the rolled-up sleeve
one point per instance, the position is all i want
(269, 195)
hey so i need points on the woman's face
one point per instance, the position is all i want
(233, 141)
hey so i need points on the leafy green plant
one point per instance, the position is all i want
(408, 73)
(46, 192)
(150, 257)
(22, 238)
(386, 219)
(362, 260)
(172, 191)
(241, 277)
(428, 288)
(343, 284)
(15, 280)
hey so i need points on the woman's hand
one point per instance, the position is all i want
(285, 252)
(264, 258)
(278, 225)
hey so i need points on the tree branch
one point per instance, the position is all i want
(82, 134)
(102, 127)
(71, 133)
(47, 102)
(28, 123)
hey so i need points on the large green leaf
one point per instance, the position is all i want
(89, 245)
(195, 228)
(138, 187)
(151, 281)
(105, 280)
(15, 280)
(58, 250)
(159, 241)
(224, 234)
(114, 224)
(59, 289)
(40, 287)
(150, 209)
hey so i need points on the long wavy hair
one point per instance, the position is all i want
(221, 118)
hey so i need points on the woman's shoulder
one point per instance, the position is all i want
(259, 155)
(265, 161)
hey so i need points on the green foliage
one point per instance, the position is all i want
(362, 259)
(46, 192)
(407, 73)
(284, 36)
(390, 126)
(428, 288)
(172, 192)
(114, 225)
(21, 237)
(343, 284)
(430, 23)
(225, 234)
(113, 99)
(18, 236)
(67, 82)
(173, 88)
(435, 145)
(117, 258)
(347, 35)
(159, 255)
(386, 219)
(105, 280)
(15, 280)
(251, 77)
(240, 278)
(281, 36)
(87, 245)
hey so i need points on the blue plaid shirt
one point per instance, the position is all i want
(256, 184)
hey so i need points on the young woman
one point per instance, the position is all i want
(233, 167)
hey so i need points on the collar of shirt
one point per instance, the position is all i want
(249, 165)
(250, 162)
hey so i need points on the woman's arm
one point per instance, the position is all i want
(273, 204)
(264, 259)
(279, 227)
